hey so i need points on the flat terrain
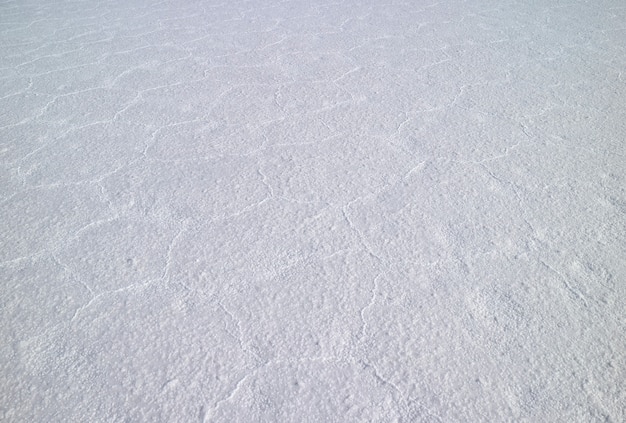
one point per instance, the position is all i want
(313, 211)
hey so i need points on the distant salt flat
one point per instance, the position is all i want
(307, 211)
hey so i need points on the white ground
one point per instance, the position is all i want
(310, 211)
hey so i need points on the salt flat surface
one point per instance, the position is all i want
(308, 211)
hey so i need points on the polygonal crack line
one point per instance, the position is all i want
(103, 294)
(168, 256)
(219, 403)
(265, 180)
(501, 181)
(134, 286)
(517, 196)
(507, 153)
(254, 371)
(246, 209)
(400, 397)
(131, 102)
(73, 275)
(575, 292)
(90, 225)
(239, 337)
(94, 181)
(18, 93)
(151, 141)
(55, 98)
(359, 234)
(414, 169)
(35, 151)
(367, 306)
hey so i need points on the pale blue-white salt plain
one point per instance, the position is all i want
(313, 211)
